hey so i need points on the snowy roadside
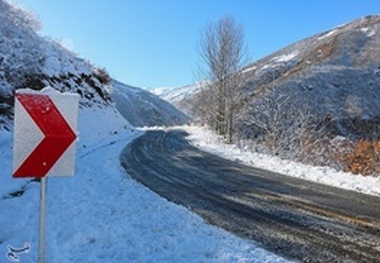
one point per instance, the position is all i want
(102, 215)
(208, 141)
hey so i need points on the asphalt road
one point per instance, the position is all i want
(296, 219)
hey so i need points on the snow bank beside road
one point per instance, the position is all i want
(208, 141)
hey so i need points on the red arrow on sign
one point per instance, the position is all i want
(58, 135)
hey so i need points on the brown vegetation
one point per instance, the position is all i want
(364, 158)
(102, 76)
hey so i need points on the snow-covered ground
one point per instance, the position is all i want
(208, 141)
(102, 215)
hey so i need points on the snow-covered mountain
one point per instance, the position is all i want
(142, 108)
(181, 97)
(176, 94)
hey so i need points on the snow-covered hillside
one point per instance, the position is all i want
(315, 101)
(142, 108)
(28, 60)
(319, 98)
(334, 73)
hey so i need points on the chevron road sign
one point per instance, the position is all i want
(45, 133)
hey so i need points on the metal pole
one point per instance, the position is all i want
(41, 241)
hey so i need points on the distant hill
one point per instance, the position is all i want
(142, 108)
(315, 99)
(180, 97)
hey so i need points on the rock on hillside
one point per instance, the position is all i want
(142, 108)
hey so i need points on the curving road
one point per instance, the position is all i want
(297, 219)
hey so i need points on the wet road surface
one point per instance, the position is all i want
(297, 219)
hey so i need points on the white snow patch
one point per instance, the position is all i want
(249, 69)
(371, 33)
(367, 30)
(330, 33)
(266, 66)
(364, 29)
(286, 57)
(52, 66)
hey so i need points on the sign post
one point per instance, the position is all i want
(41, 237)
(44, 141)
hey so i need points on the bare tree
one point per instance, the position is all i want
(269, 120)
(222, 54)
(280, 124)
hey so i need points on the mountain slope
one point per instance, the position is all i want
(142, 108)
(341, 64)
(302, 98)
(181, 97)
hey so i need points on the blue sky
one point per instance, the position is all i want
(153, 43)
